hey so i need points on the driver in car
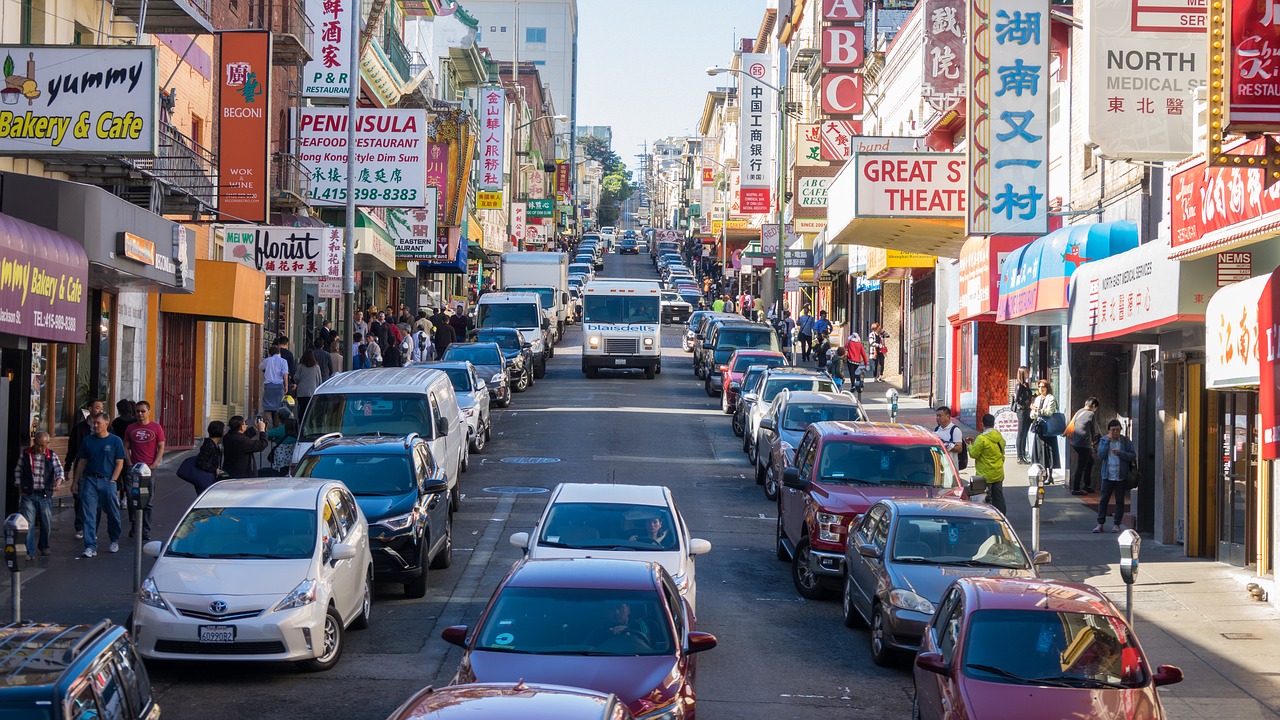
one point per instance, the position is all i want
(655, 532)
(619, 624)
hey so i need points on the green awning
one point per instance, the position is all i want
(475, 251)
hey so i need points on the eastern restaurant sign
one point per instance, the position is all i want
(1253, 66)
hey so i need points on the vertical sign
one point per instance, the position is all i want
(327, 75)
(755, 135)
(808, 145)
(1253, 77)
(1269, 372)
(835, 137)
(244, 125)
(437, 174)
(842, 52)
(1009, 117)
(562, 181)
(944, 79)
(493, 101)
(518, 220)
(708, 175)
(1234, 267)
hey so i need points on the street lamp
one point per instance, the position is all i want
(781, 90)
(515, 172)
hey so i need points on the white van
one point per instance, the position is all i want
(523, 311)
(392, 402)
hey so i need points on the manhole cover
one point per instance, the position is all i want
(515, 490)
(530, 460)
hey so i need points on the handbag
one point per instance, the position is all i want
(201, 479)
(1134, 477)
(1055, 424)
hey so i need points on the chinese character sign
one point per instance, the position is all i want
(437, 171)
(1009, 117)
(493, 105)
(414, 230)
(243, 126)
(944, 76)
(328, 73)
(1253, 71)
(285, 251)
(390, 161)
(562, 180)
(755, 134)
(518, 220)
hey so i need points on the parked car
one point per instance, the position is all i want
(502, 701)
(699, 321)
(628, 246)
(690, 331)
(517, 353)
(1013, 647)
(490, 365)
(775, 381)
(674, 308)
(629, 522)
(73, 672)
(750, 384)
(473, 400)
(841, 469)
(903, 554)
(616, 626)
(403, 494)
(731, 374)
(691, 294)
(727, 337)
(260, 569)
(783, 424)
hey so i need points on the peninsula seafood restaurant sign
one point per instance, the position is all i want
(390, 159)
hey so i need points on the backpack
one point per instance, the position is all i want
(282, 454)
(962, 459)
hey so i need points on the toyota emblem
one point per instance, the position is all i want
(218, 607)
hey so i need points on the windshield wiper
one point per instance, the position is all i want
(1077, 681)
(513, 651)
(851, 481)
(179, 553)
(1000, 672)
(609, 547)
(976, 563)
(567, 546)
(265, 556)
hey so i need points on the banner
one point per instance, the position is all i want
(390, 160)
(562, 181)
(1208, 202)
(755, 135)
(1269, 373)
(519, 218)
(1253, 81)
(540, 208)
(244, 126)
(944, 78)
(285, 251)
(493, 104)
(78, 99)
(437, 172)
(415, 231)
(328, 74)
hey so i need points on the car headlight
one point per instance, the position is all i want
(469, 411)
(908, 600)
(399, 522)
(149, 594)
(648, 342)
(301, 596)
(830, 527)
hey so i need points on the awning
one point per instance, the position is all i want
(224, 292)
(980, 261)
(456, 263)
(475, 251)
(1214, 209)
(375, 248)
(44, 282)
(1231, 335)
(1136, 295)
(885, 264)
(1034, 278)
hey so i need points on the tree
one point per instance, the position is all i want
(616, 184)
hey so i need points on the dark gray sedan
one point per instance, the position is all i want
(490, 365)
(903, 554)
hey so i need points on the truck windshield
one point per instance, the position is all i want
(617, 309)
(510, 315)
(545, 294)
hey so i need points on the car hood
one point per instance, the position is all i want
(488, 371)
(631, 678)
(377, 507)
(987, 699)
(672, 562)
(930, 581)
(190, 576)
(856, 499)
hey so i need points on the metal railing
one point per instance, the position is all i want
(289, 175)
(288, 17)
(183, 165)
(393, 46)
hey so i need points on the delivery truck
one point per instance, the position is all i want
(543, 273)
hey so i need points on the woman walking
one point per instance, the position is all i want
(1042, 408)
(309, 378)
(1021, 402)
(1117, 455)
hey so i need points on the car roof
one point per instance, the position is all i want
(275, 492)
(613, 493)
(472, 343)
(364, 445)
(446, 364)
(890, 433)
(813, 397)
(598, 573)
(1034, 594)
(756, 352)
(791, 372)
(402, 379)
(37, 654)
(937, 506)
(502, 700)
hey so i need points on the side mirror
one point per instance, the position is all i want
(1043, 557)
(698, 546)
(766, 424)
(978, 485)
(564, 298)
(699, 641)
(750, 397)
(437, 483)
(791, 478)
(455, 635)
(1167, 675)
(930, 662)
(442, 427)
(153, 548)
(481, 384)
(867, 550)
(526, 346)
(520, 540)
(342, 551)
(735, 386)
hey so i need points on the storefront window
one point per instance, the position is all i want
(967, 355)
(104, 348)
(39, 385)
(64, 390)
(1238, 478)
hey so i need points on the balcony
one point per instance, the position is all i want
(182, 167)
(292, 35)
(385, 64)
(290, 182)
(168, 16)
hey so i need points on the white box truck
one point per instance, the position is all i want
(522, 311)
(620, 326)
(544, 273)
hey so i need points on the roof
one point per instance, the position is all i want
(622, 494)
(387, 379)
(953, 508)
(501, 297)
(280, 492)
(1035, 594)
(584, 573)
(367, 445)
(527, 701)
(755, 352)
(890, 433)
(36, 654)
(813, 397)
(791, 371)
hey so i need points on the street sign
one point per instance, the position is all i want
(541, 208)
(797, 258)
(791, 284)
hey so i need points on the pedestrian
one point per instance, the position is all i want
(879, 341)
(838, 367)
(79, 432)
(242, 443)
(145, 442)
(357, 341)
(987, 451)
(37, 476)
(787, 329)
(423, 349)
(324, 335)
(949, 432)
(1021, 401)
(804, 333)
(1082, 433)
(461, 324)
(210, 457)
(758, 308)
(126, 415)
(856, 351)
(284, 438)
(1117, 455)
(321, 353)
(358, 325)
(372, 349)
(309, 378)
(362, 358)
(1042, 408)
(422, 323)
(99, 463)
(718, 304)
(391, 355)
(286, 354)
(444, 337)
(438, 319)
(275, 380)
(335, 357)
(821, 331)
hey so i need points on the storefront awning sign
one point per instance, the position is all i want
(914, 202)
(1034, 278)
(43, 279)
(980, 260)
(1221, 208)
(1231, 340)
(883, 263)
(1269, 368)
(1136, 293)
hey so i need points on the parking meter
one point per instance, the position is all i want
(1035, 496)
(892, 397)
(1130, 547)
(15, 556)
(140, 487)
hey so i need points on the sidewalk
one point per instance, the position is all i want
(1189, 612)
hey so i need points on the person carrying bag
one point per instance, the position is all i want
(1119, 469)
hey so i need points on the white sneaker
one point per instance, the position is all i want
(1118, 528)
(1098, 528)
(89, 552)
(113, 547)
(79, 534)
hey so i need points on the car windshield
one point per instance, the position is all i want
(580, 268)
(762, 339)
(475, 354)
(357, 415)
(619, 309)
(460, 378)
(801, 415)
(362, 473)
(745, 361)
(609, 526)
(1059, 649)
(506, 341)
(751, 379)
(693, 298)
(670, 297)
(871, 463)
(245, 532)
(777, 385)
(576, 621)
(965, 541)
(510, 315)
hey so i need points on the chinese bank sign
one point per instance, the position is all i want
(755, 135)
(78, 99)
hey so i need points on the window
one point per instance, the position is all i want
(535, 35)
(539, 63)
(197, 130)
(83, 705)
(342, 508)
(946, 626)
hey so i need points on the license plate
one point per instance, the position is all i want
(619, 361)
(217, 633)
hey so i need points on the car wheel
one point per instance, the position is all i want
(540, 371)
(807, 582)
(522, 383)
(331, 644)
(592, 373)
(366, 603)
(753, 451)
(417, 587)
(724, 403)
(707, 386)
(505, 402)
(650, 372)
(761, 474)
(780, 548)
(737, 424)
(455, 500)
(852, 618)
(464, 463)
(658, 368)
(444, 558)
(478, 440)
(697, 369)
(770, 483)
(881, 653)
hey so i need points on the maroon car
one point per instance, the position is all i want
(1027, 647)
(614, 626)
(502, 701)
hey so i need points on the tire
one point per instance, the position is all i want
(707, 386)
(737, 424)
(464, 463)
(444, 558)
(522, 383)
(771, 485)
(478, 440)
(540, 370)
(332, 644)
(697, 369)
(650, 372)
(753, 452)
(852, 618)
(881, 653)
(780, 550)
(724, 404)
(761, 474)
(362, 620)
(746, 439)
(807, 583)
(417, 587)
(505, 403)
(658, 368)
(455, 500)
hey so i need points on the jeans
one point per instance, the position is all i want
(98, 492)
(878, 361)
(1082, 470)
(1024, 426)
(1121, 491)
(38, 506)
(995, 496)
(806, 346)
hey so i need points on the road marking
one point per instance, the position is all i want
(815, 697)
(748, 517)
(671, 461)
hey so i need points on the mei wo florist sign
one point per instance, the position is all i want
(285, 251)
(78, 99)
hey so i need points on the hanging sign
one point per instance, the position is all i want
(755, 135)
(328, 74)
(944, 79)
(493, 101)
(415, 231)
(1269, 374)
(243, 97)
(284, 251)
(390, 155)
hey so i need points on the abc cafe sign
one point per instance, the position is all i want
(842, 54)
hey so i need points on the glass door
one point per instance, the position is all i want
(1238, 472)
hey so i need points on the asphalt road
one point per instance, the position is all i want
(778, 657)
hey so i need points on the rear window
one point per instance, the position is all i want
(800, 416)
(366, 414)
(773, 387)
(762, 339)
(362, 473)
(476, 355)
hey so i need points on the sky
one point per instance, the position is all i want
(642, 64)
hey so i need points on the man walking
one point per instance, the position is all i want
(1083, 435)
(323, 359)
(786, 329)
(145, 442)
(804, 333)
(718, 305)
(38, 474)
(99, 462)
(79, 432)
(987, 452)
(286, 354)
(949, 432)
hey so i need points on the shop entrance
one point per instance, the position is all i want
(177, 387)
(1238, 476)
